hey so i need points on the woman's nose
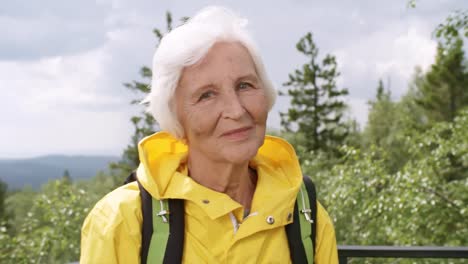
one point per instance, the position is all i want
(233, 107)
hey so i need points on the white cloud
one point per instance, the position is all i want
(73, 103)
(388, 53)
(49, 82)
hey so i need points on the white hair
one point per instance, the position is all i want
(185, 46)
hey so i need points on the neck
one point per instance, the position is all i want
(235, 180)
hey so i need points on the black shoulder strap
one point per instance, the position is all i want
(131, 178)
(293, 230)
(310, 186)
(296, 248)
(147, 226)
(175, 243)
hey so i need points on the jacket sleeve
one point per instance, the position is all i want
(325, 250)
(111, 232)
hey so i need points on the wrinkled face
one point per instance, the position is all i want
(222, 106)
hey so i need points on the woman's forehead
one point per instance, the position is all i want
(223, 57)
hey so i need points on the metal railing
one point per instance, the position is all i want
(347, 252)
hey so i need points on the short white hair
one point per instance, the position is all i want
(185, 46)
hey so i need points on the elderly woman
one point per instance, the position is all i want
(211, 95)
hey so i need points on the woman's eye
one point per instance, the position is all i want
(205, 95)
(244, 85)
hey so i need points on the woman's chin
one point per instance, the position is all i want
(239, 154)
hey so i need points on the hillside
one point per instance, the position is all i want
(34, 172)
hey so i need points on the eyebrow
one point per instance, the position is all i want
(250, 76)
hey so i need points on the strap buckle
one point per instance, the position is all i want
(307, 213)
(163, 214)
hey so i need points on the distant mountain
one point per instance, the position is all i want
(34, 172)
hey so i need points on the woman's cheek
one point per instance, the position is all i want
(202, 119)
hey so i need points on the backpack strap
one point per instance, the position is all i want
(301, 233)
(176, 232)
(160, 232)
(296, 247)
(312, 194)
(146, 210)
(147, 225)
(130, 178)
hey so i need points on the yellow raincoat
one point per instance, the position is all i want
(215, 231)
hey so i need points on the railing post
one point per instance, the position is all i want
(343, 260)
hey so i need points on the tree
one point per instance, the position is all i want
(66, 176)
(50, 229)
(144, 124)
(381, 117)
(385, 129)
(444, 90)
(455, 26)
(421, 204)
(3, 195)
(316, 109)
(412, 114)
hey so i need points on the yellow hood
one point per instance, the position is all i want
(163, 159)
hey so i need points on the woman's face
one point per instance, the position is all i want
(222, 106)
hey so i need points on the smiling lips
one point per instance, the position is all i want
(237, 134)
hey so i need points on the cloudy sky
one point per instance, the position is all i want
(62, 63)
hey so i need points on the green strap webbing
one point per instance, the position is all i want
(158, 243)
(306, 227)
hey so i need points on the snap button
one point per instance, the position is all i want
(270, 220)
(206, 201)
(289, 216)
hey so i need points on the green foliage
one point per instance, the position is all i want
(3, 194)
(46, 224)
(412, 113)
(381, 119)
(387, 128)
(455, 26)
(444, 89)
(316, 108)
(411, 4)
(49, 232)
(18, 204)
(424, 203)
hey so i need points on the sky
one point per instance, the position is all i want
(63, 63)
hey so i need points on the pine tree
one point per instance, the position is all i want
(444, 90)
(144, 124)
(381, 117)
(66, 177)
(386, 130)
(316, 108)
